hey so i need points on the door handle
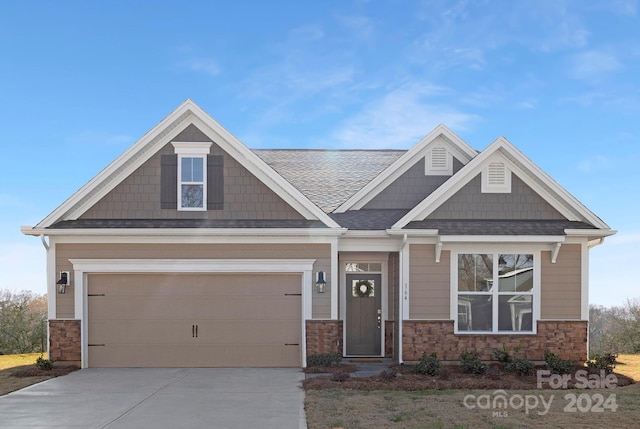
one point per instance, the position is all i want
(196, 331)
(193, 331)
(379, 319)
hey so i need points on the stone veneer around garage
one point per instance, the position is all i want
(567, 339)
(324, 336)
(64, 341)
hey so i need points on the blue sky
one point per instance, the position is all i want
(82, 80)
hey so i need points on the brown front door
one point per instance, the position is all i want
(364, 314)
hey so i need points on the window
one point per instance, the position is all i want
(191, 187)
(192, 179)
(484, 307)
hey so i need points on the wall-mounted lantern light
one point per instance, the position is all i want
(320, 282)
(63, 282)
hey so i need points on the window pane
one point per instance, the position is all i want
(192, 196)
(516, 273)
(515, 313)
(197, 169)
(474, 313)
(475, 272)
(187, 171)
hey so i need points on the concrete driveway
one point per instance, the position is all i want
(160, 398)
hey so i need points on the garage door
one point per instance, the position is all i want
(194, 320)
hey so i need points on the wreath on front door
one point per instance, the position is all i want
(364, 288)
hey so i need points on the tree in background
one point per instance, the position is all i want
(614, 329)
(23, 318)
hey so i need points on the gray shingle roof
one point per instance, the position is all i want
(328, 177)
(498, 227)
(369, 220)
(187, 223)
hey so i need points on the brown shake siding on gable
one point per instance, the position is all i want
(245, 197)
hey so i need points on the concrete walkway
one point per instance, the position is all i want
(160, 398)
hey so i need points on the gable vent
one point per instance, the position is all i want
(496, 174)
(438, 162)
(496, 178)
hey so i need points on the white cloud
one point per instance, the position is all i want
(203, 65)
(595, 163)
(399, 119)
(593, 65)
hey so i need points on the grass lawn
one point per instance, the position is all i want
(22, 365)
(344, 408)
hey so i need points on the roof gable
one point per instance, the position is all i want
(502, 151)
(440, 137)
(154, 140)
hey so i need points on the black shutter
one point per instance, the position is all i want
(169, 182)
(215, 182)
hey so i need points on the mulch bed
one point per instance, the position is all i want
(34, 371)
(452, 377)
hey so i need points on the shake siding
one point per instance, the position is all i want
(138, 196)
(561, 284)
(429, 283)
(470, 203)
(320, 252)
(410, 188)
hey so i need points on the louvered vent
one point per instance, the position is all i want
(496, 174)
(438, 162)
(439, 158)
(496, 178)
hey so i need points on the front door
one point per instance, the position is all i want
(364, 314)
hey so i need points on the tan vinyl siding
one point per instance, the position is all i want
(561, 284)
(429, 283)
(320, 252)
(138, 196)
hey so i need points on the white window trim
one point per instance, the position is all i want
(430, 170)
(496, 249)
(192, 150)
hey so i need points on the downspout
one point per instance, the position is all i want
(51, 303)
(401, 298)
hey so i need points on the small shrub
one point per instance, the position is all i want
(520, 366)
(429, 364)
(388, 374)
(494, 373)
(340, 376)
(558, 365)
(471, 363)
(606, 361)
(324, 359)
(43, 363)
(510, 363)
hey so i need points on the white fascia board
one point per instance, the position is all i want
(413, 232)
(546, 239)
(190, 234)
(227, 142)
(455, 144)
(369, 244)
(191, 265)
(90, 186)
(590, 232)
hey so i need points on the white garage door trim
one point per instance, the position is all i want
(82, 267)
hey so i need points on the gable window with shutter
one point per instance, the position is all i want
(192, 179)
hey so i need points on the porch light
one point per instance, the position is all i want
(320, 282)
(63, 282)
